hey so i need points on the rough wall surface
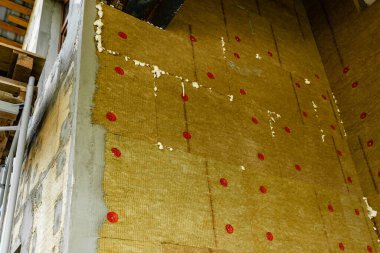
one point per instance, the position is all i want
(349, 44)
(42, 218)
(223, 135)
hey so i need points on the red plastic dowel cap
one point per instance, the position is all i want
(237, 38)
(123, 35)
(287, 129)
(345, 70)
(263, 189)
(185, 97)
(298, 85)
(305, 114)
(193, 38)
(270, 53)
(111, 116)
(223, 182)
(370, 143)
(229, 228)
(112, 217)
(116, 152)
(349, 180)
(330, 208)
(269, 236)
(254, 120)
(237, 55)
(261, 156)
(369, 249)
(298, 167)
(341, 246)
(242, 92)
(354, 85)
(357, 212)
(210, 75)
(339, 152)
(363, 115)
(186, 135)
(119, 70)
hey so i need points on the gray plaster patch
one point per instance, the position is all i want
(65, 130)
(57, 214)
(61, 161)
(37, 196)
(26, 227)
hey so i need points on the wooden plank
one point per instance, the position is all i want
(5, 96)
(10, 42)
(7, 116)
(29, 1)
(6, 55)
(11, 28)
(18, 21)
(23, 68)
(16, 7)
(12, 86)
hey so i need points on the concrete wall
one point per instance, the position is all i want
(222, 135)
(348, 43)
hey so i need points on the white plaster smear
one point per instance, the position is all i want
(370, 211)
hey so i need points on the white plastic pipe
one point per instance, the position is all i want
(10, 210)
(8, 128)
(6, 179)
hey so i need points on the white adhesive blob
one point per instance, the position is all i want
(195, 85)
(231, 97)
(258, 57)
(370, 211)
(160, 146)
(157, 72)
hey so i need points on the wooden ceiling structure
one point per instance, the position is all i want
(16, 21)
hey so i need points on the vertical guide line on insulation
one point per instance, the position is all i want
(368, 165)
(295, 93)
(258, 7)
(275, 44)
(332, 32)
(340, 164)
(298, 20)
(323, 222)
(211, 204)
(225, 20)
(193, 54)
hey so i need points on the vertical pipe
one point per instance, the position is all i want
(8, 172)
(6, 193)
(10, 211)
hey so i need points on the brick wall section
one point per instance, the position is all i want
(348, 42)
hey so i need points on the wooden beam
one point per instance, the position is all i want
(11, 28)
(23, 68)
(8, 116)
(18, 21)
(4, 96)
(16, 7)
(12, 86)
(10, 42)
(29, 1)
